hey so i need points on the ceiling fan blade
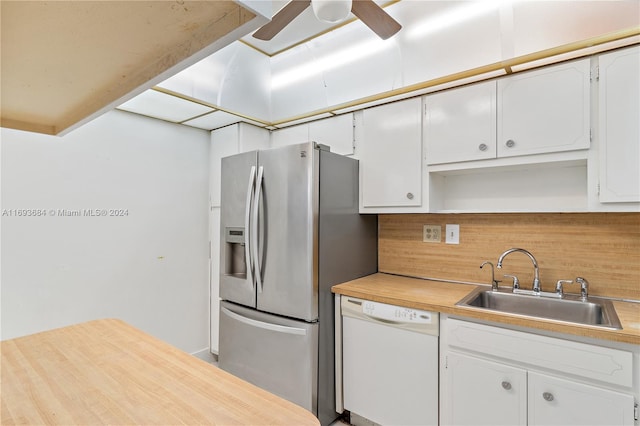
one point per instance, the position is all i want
(375, 18)
(281, 19)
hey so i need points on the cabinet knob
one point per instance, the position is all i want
(483, 147)
(547, 396)
(510, 143)
(506, 385)
(410, 195)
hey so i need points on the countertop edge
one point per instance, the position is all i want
(379, 287)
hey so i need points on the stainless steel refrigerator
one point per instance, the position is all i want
(290, 230)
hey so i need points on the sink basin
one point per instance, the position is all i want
(594, 311)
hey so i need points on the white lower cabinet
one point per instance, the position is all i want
(558, 401)
(484, 392)
(496, 376)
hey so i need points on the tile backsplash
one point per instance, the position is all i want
(604, 248)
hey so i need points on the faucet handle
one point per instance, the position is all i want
(559, 290)
(584, 287)
(516, 282)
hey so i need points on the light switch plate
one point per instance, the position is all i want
(452, 234)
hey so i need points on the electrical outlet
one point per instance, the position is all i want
(452, 234)
(431, 233)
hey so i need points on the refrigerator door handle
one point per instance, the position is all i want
(254, 234)
(247, 224)
(265, 325)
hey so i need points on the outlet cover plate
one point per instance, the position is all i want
(431, 233)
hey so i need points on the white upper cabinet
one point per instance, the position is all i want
(460, 124)
(546, 110)
(619, 126)
(390, 155)
(536, 112)
(290, 135)
(336, 132)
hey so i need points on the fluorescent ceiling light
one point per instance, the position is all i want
(456, 16)
(331, 61)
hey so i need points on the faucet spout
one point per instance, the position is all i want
(536, 273)
(494, 282)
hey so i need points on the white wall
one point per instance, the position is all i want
(149, 268)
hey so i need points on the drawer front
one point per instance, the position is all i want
(608, 365)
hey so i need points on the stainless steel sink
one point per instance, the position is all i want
(594, 311)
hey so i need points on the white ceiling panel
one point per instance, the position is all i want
(218, 119)
(165, 107)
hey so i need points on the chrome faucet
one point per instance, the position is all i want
(494, 282)
(536, 276)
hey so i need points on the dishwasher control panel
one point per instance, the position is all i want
(393, 313)
(394, 316)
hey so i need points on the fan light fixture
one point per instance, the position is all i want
(331, 11)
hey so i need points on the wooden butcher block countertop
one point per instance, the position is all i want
(108, 372)
(442, 297)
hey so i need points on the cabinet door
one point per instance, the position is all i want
(290, 135)
(619, 113)
(391, 160)
(460, 124)
(251, 138)
(214, 277)
(482, 392)
(555, 401)
(336, 132)
(224, 142)
(545, 110)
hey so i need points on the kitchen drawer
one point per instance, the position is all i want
(608, 365)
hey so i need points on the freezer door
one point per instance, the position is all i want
(277, 354)
(288, 235)
(237, 280)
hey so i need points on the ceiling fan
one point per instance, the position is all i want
(332, 11)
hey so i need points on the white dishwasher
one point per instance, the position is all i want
(389, 362)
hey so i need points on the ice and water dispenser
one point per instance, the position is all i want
(235, 258)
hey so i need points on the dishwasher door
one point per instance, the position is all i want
(389, 362)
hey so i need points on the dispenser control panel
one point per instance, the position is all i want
(234, 235)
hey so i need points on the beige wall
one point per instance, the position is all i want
(604, 248)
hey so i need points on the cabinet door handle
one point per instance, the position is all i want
(410, 195)
(483, 147)
(506, 385)
(547, 396)
(510, 143)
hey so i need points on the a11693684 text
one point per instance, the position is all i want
(65, 212)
